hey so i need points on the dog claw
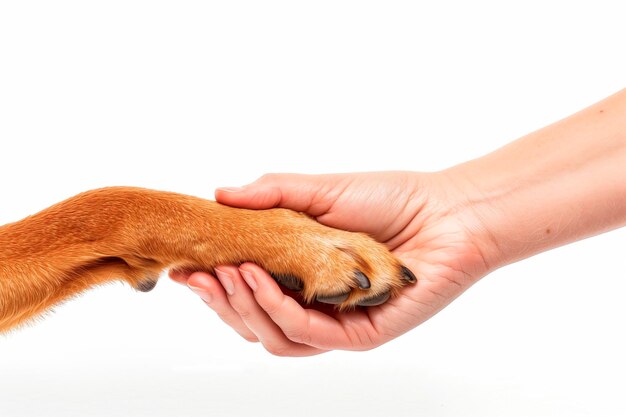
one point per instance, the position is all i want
(376, 300)
(362, 280)
(288, 281)
(407, 275)
(333, 299)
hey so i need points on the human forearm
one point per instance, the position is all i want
(557, 185)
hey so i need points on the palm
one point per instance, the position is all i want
(422, 219)
(415, 226)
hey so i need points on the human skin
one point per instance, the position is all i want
(557, 185)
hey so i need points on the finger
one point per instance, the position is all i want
(312, 194)
(243, 302)
(179, 276)
(210, 290)
(350, 331)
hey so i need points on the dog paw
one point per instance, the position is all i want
(332, 266)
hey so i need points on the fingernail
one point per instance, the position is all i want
(202, 293)
(226, 280)
(249, 278)
(231, 189)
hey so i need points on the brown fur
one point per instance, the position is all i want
(133, 234)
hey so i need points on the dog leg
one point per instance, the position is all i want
(133, 234)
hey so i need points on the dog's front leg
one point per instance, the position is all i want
(133, 234)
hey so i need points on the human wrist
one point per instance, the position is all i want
(470, 195)
(554, 186)
(521, 209)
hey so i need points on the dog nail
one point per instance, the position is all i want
(146, 286)
(288, 281)
(362, 280)
(333, 299)
(408, 276)
(376, 300)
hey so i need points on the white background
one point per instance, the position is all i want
(188, 96)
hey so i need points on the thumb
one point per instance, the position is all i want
(312, 194)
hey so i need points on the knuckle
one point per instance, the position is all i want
(242, 309)
(298, 336)
(267, 178)
(272, 308)
(244, 313)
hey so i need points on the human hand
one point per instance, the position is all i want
(426, 220)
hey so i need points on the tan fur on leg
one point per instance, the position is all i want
(133, 234)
